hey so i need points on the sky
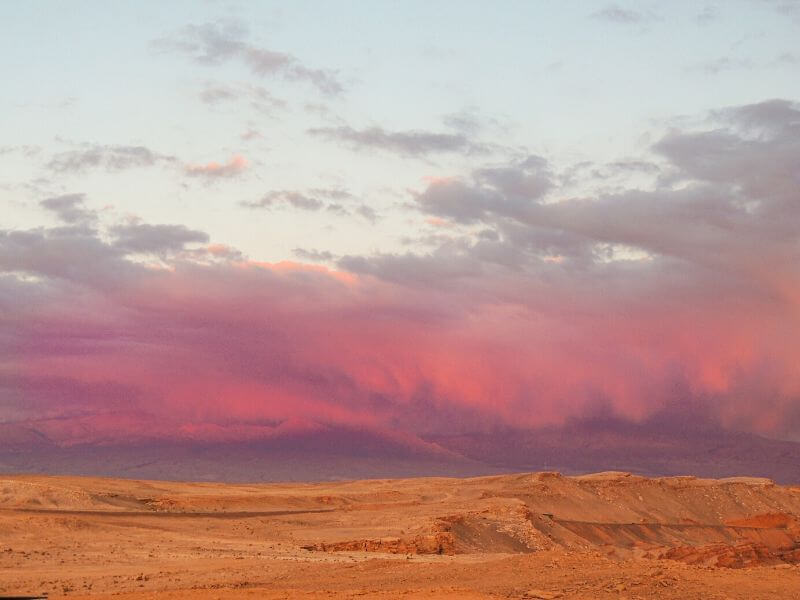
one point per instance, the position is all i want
(421, 216)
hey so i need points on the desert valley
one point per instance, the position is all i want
(531, 535)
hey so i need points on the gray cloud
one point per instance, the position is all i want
(313, 255)
(314, 199)
(726, 191)
(335, 193)
(616, 14)
(112, 158)
(73, 254)
(86, 253)
(224, 41)
(459, 200)
(367, 212)
(415, 269)
(146, 238)
(288, 198)
(27, 150)
(251, 134)
(528, 180)
(786, 58)
(773, 115)
(466, 122)
(724, 203)
(258, 97)
(708, 15)
(720, 65)
(471, 122)
(493, 191)
(406, 143)
(789, 8)
(69, 208)
(753, 156)
(214, 94)
(633, 166)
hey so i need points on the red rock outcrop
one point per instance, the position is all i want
(436, 543)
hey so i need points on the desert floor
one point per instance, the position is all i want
(541, 535)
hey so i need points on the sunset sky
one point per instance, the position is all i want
(221, 216)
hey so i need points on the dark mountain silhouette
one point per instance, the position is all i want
(305, 450)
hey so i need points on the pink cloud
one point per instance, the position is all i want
(481, 332)
(242, 342)
(236, 165)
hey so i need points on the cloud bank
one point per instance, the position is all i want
(532, 309)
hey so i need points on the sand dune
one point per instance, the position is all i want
(510, 536)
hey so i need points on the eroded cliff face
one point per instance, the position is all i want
(437, 543)
(736, 522)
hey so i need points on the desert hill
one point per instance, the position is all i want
(586, 536)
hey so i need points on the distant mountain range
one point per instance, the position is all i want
(138, 446)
